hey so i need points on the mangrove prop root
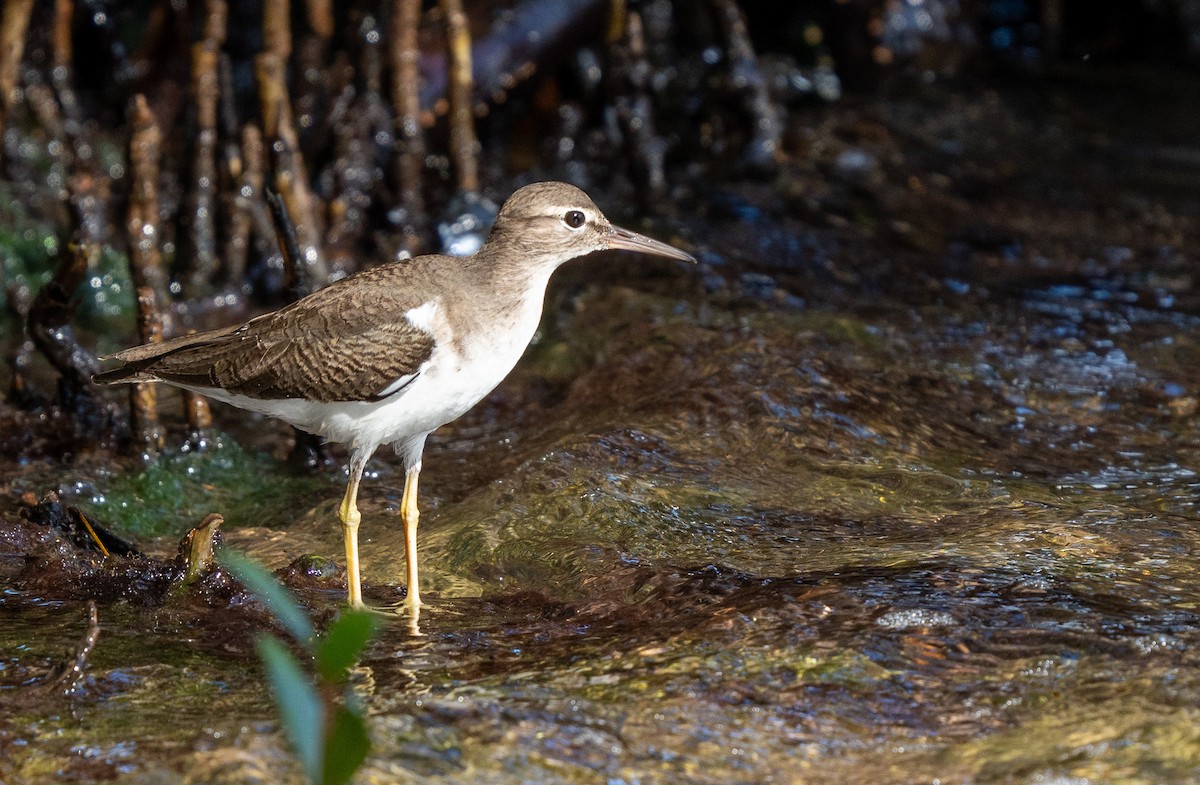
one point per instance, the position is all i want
(141, 220)
(536, 33)
(49, 328)
(146, 431)
(277, 28)
(199, 418)
(62, 80)
(635, 111)
(203, 263)
(291, 175)
(320, 17)
(21, 356)
(253, 207)
(464, 147)
(362, 136)
(61, 35)
(747, 81)
(13, 25)
(406, 103)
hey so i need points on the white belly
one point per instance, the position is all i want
(448, 385)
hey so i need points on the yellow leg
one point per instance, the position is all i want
(411, 515)
(350, 518)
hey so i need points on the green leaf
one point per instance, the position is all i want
(272, 592)
(339, 647)
(346, 748)
(299, 705)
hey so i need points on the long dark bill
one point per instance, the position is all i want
(625, 240)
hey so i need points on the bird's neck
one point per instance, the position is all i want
(506, 295)
(513, 268)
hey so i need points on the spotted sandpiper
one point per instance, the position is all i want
(388, 355)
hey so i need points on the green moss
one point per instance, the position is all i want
(29, 255)
(26, 256)
(179, 489)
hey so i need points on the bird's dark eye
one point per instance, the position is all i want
(574, 219)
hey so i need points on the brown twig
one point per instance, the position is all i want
(60, 37)
(43, 105)
(148, 276)
(289, 246)
(56, 110)
(216, 21)
(227, 116)
(50, 316)
(70, 675)
(145, 266)
(464, 147)
(536, 34)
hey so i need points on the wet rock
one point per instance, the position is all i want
(67, 520)
(313, 572)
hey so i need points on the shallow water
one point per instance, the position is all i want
(936, 525)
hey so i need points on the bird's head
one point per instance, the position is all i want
(556, 222)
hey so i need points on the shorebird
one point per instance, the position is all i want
(392, 353)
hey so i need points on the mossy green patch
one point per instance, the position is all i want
(179, 489)
(25, 256)
(29, 255)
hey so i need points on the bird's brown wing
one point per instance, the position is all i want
(330, 346)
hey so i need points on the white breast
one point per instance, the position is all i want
(452, 381)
